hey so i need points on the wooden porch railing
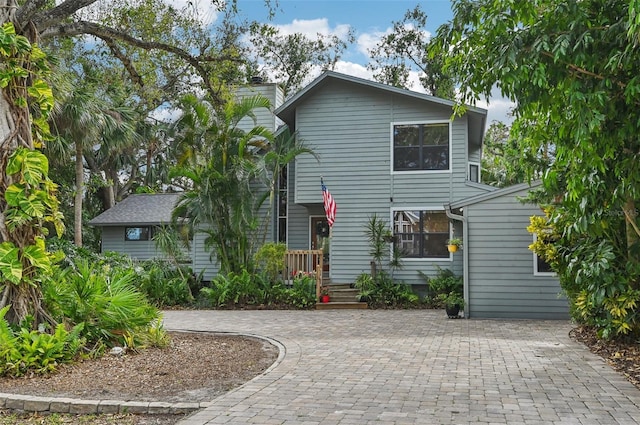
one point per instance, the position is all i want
(304, 261)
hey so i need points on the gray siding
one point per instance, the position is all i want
(349, 126)
(113, 240)
(201, 259)
(501, 278)
(298, 217)
(264, 117)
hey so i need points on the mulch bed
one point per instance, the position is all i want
(622, 356)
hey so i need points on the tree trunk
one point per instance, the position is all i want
(25, 296)
(7, 12)
(77, 207)
(7, 126)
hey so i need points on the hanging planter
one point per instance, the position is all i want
(454, 244)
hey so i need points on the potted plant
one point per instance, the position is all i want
(453, 244)
(453, 302)
(324, 294)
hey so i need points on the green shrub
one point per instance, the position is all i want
(302, 293)
(442, 288)
(381, 291)
(165, 284)
(245, 289)
(270, 258)
(24, 351)
(102, 298)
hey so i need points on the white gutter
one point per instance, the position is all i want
(465, 257)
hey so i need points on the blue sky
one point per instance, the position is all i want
(368, 19)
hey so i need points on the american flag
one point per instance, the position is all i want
(329, 204)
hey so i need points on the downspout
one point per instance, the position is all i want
(465, 256)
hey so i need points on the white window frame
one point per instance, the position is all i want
(277, 208)
(535, 264)
(423, 208)
(149, 233)
(472, 164)
(427, 122)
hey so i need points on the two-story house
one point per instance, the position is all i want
(404, 157)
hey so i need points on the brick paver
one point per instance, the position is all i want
(414, 367)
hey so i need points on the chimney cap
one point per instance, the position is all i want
(256, 79)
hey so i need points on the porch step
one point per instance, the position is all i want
(342, 296)
(335, 305)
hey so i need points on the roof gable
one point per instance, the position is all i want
(139, 209)
(510, 190)
(287, 108)
(286, 112)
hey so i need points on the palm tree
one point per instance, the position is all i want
(220, 161)
(85, 118)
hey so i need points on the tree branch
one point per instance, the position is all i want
(47, 18)
(106, 33)
(27, 10)
(137, 79)
(580, 70)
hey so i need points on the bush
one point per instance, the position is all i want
(302, 293)
(245, 289)
(443, 288)
(103, 299)
(270, 258)
(165, 284)
(25, 351)
(382, 291)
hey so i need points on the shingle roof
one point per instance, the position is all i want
(141, 209)
(509, 190)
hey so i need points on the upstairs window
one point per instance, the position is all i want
(474, 172)
(283, 194)
(421, 234)
(421, 147)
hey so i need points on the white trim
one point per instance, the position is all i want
(423, 208)
(277, 208)
(469, 165)
(424, 122)
(535, 264)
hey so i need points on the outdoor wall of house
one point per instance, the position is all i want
(113, 240)
(298, 232)
(264, 117)
(201, 258)
(501, 267)
(350, 127)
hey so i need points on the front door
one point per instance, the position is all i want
(320, 239)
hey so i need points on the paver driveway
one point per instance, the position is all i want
(414, 367)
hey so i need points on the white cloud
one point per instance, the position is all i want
(204, 10)
(368, 41)
(312, 27)
(499, 107)
(354, 69)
